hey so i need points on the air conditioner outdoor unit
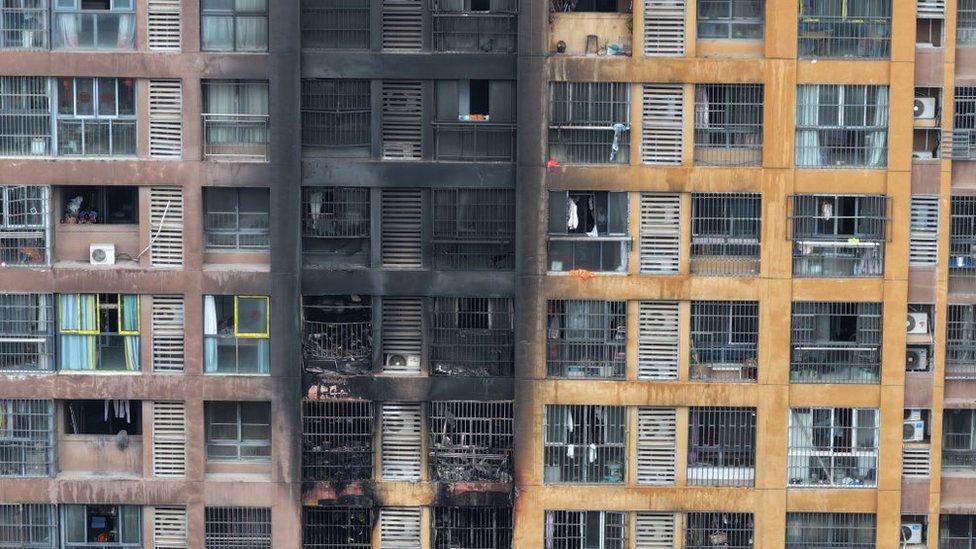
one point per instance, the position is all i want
(101, 254)
(911, 533)
(914, 431)
(401, 360)
(916, 359)
(924, 107)
(918, 323)
(914, 414)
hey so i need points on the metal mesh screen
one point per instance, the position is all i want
(337, 528)
(833, 447)
(717, 529)
(470, 441)
(858, 29)
(472, 527)
(725, 233)
(472, 336)
(724, 340)
(728, 124)
(473, 229)
(237, 528)
(585, 444)
(337, 441)
(586, 339)
(835, 342)
(237, 218)
(721, 446)
(336, 225)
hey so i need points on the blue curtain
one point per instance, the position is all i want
(78, 312)
(129, 322)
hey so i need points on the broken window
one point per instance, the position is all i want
(717, 529)
(29, 526)
(94, 25)
(960, 360)
(96, 117)
(338, 334)
(730, 19)
(841, 126)
(472, 527)
(724, 340)
(836, 342)
(99, 332)
(473, 229)
(475, 120)
(474, 26)
(830, 530)
(722, 446)
(337, 527)
(589, 122)
(859, 29)
(585, 444)
(588, 230)
(327, 24)
(238, 431)
(728, 124)
(586, 530)
(586, 339)
(94, 526)
(100, 205)
(26, 438)
(839, 235)
(336, 226)
(103, 417)
(24, 229)
(236, 218)
(236, 337)
(962, 243)
(26, 332)
(725, 233)
(232, 527)
(835, 447)
(337, 441)
(336, 115)
(471, 441)
(472, 336)
(25, 115)
(959, 440)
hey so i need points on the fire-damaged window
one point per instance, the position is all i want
(473, 229)
(586, 530)
(337, 441)
(472, 336)
(335, 226)
(475, 120)
(338, 334)
(839, 235)
(472, 527)
(724, 340)
(836, 342)
(336, 116)
(722, 446)
(26, 438)
(585, 444)
(475, 26)
(589, 122)
(586, 339)
(103, 417)
(588, 230)
(471, 441)
(337, 527)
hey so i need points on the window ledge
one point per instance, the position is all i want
(99, 372)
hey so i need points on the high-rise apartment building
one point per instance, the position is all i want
(487, 274)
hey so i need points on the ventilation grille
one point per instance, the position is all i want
(403, 334)
(403, 25)
(166, 226)
(165, 119)
(664, 28)
(923, 238)
(661, 132)
(402, 119)
(654, 531)
(656, 445)
(169, 527)
(402, 243)
(164, 25)
(657, 340)
(916, 460)
(401, 442)
(400, 528)
(931, 9)
(167, 333)
(660, 233)
(169, 439)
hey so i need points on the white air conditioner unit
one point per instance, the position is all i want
(916, 359)
(402, 360)
(914, 431)
(924, 107)
(914, 414)
(911, 533)
(102, 254)
(918, 323)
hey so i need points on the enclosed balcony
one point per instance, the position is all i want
(835, 342)
(586, 339)
(839, 235)
(474, 26)
(235, 120)
(859, 29)
(338, 334)
(472, 336)
(337, 441)
(590, 27)
(471, 441)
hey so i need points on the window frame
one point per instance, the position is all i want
(238, 233)
(835, 427)
(239, 442)
(731, 21)
(619, 524)
(235, 14)
(117, 119)
(120, 510)
(875, 96)
(613, 439)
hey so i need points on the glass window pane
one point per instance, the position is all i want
(84, 96)
(256, 412)
(252, 315)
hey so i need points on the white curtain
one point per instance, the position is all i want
(808, 114)
(209, 334)
(252, 33)
(877, 140)
(127, 32)
(66, 30)
(217, 33)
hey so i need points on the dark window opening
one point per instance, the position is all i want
(103, 417)
(611, 6)
(477, 98)
(100, 205)
(338, 333)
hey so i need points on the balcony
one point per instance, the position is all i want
(841, 258)
(338, 335)
(835, 363)
(474, 141)
(474, 32)
(471, 441)
(590, 33)
(93, 30)
(838, 37)
(80, 137)
(235, 137)
(337, 441)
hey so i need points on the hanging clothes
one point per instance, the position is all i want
(572, 215)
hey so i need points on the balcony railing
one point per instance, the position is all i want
(472, 352)
(235, 137)
(24, 28)
(470, 463)
(841, 258)
(474, 141)
(342, 347)
(475, 32)
(588, 359)
(834, 363)
(844, 37)
(87, 30)
(83, 137)
(958, 459)
(959, 144)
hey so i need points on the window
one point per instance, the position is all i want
(827, 530)
(23, 25)
(102, 417)
(26, 332)
(336, 225)
(960, 361)
(29, 526)
(327, 24)
(841, 126)
(717, 529)
(735, 19)
(845, 28)
(963, 143)
(472, 336)
(99, 332)
(836, 342)
(336, 115)
(962, 243)
(586, 339)
(96, 117)
(966, 23)
(237, 528)
(588, 230)
(471, 441)
(475, 120)
(959, 440)
(338, 334)
(337, 441)
(586, 530)
(722, 446)
(100, 205)
(724, 340)
(235, 120)
(236, 218)
(725, 234)
(585, 444)
(473, 229)
(238, 431)
(475, 26)
(957, 531)
(94, 25)
(25, 116)
(236, 337)
(340, 527)
(234, 25)
(92, 526)
(839, 235)
(26, 438)
(589, 122)
(833, 447)
(728, 124)
(472, 527)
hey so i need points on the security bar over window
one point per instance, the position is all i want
(470, 441)
(473, 229)
(957, 530)
(24, 25)
(830, 530)
(337, 527)
(26, 332)
(839, 235)
(705, 530)
(337, 441)
(96, 117)
(26, 438)
(728, 124)
(237, 527)
(722, 446)
(841, 126)
(589, 122)
(337, 334)
(835, 342)
(731, 19)
(724, 340)
(960, 359)
(859, 29)
(588, 230)
(586, 529)
(336, 226)
(586, 339)
(25, 116)
(328, 24)
(475, 26)
(472, 336)
(962, 244)
(471, 527)
(966, 23)
(29, 526)
(959, 440)
(336, 115)
(237, 218)
(725, 233)
(833, 447)
(238, 431)
(235, 120)
(585, 444)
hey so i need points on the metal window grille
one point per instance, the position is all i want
(24, 226)
(826, 530)
(169, 527)
(235, 120)
(24, 25)
(335, 113)
(337, 441)
(335, 24)
(26, 332)
(725, 233)
(472, 336)
(841, 126)
(168, 337)
(472, 527)
(166, 96)
(722, 446)
(966, 23)
(585, 444)
(25, 116)
(962, 244)
(654, 530)
(662, 107)
(839, 235)
(337, 528)
(236, 218)
(589, 122)
(470, 441)
(28, 526)
(731, 19)
(587, 339)
(237, 528)
(959, 440)
(402, 228)
(962, 144)
(169, 439)
(336, 225)
(835, 342)
(164, 30)
(338, 334)
(724, 340)
(401, 122)
(660, 233)
(833, 447)
(717, 529)
(960, 360)
(923, 237)
(26, 438)
(728, 124)
(957, 530)
(402, 25)
(109, 129)
(459, 29)
(238, 431)
(166, 226)
(575, 529)
(858, 29)
(473, 229)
